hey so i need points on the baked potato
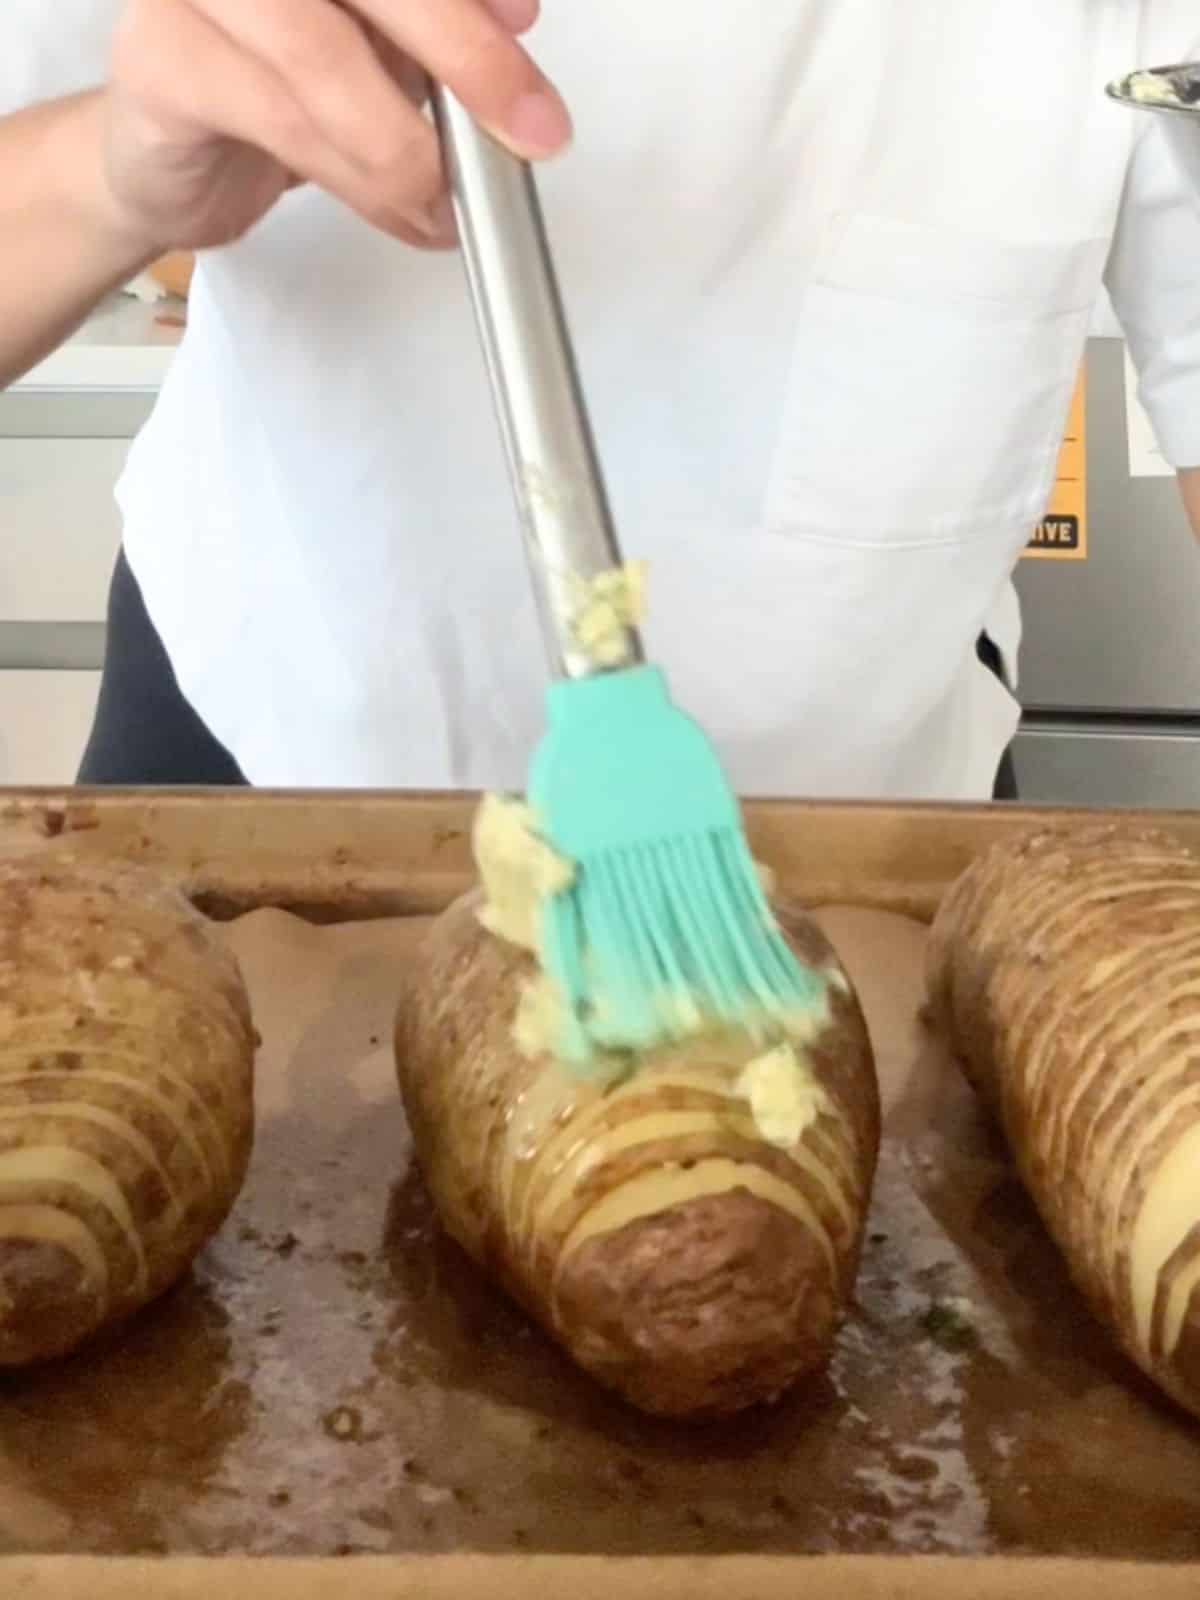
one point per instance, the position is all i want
(688, 1234)
(126, 1095)
(1065, 971)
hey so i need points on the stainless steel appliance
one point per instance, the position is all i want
(1110, 666)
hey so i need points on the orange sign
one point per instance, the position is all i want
(1061, 535)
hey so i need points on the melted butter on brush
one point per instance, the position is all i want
(518, 870)
(606, 608)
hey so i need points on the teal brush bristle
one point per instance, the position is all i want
(666, 927)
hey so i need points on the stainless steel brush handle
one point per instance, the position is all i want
(552, 459)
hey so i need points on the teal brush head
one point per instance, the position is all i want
(666, 926)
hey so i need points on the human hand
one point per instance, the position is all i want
(216, 107)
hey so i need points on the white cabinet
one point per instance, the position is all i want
(65, 430)
(59, 536)
(45, 719)
(59, 527)
(60, 533)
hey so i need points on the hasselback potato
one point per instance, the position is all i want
(1065, 969)
(690, 1232)
(126, 1095)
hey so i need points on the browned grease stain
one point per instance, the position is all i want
(337, 1378)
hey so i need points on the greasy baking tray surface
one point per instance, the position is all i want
(335, 1377)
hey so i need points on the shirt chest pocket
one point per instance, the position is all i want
(929, 384)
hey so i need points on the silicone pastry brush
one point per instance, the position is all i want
(665, 926)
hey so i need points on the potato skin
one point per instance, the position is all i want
(1065, 971)
(126, 1095)
(702, 1301)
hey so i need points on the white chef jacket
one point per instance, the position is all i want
(830, 268)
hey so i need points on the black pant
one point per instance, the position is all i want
(1005, 786)
(145, 732)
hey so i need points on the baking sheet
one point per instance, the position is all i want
(344, 855)
(596, 1578)
(335, 1379)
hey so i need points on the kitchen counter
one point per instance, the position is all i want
(123, 346)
